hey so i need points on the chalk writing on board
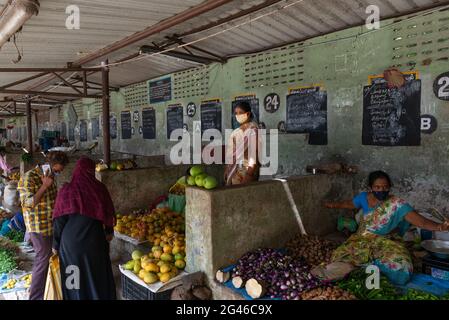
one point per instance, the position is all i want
(253, 102)
(126, 125)
(95, 128)
(391, 116)
(160, 90)
(211, 115)
(175, 118)
(71, 131)
(63, 130)
(83, 130)
(113, 126)
(149, 123)
(307, 111)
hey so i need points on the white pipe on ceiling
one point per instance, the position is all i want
(14, 16)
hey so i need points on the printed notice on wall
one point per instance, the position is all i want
(391, 116)
(160, 90)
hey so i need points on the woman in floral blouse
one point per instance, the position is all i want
(385, 220)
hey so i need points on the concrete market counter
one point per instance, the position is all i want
(225, 223)
(138, 188)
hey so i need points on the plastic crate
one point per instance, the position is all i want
(134, 291)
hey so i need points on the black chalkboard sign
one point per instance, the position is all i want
(113, 126)
(63, 130)
(95, 128)
(391, 116)
(211, 116)
(254, 103)
(126, 126)
(160, 90)
(307, 112)
(71, 131)
(149, 123)
(83, 130)
(175, 119)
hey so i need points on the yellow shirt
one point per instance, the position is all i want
(39, 218)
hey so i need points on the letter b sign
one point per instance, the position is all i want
(428, 124)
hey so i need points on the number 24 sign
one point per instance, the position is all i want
(441, 86)
(272, 102)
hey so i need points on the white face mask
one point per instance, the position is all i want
(242, 118)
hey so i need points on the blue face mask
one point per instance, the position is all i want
(381, 195)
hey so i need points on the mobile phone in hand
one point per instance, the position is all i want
(46, 169)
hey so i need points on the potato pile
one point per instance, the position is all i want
(329, 293)
(312, 249)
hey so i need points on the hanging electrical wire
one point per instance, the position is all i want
(272, 12)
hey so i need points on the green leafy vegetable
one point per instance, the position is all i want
(7, 261)
(16, 236)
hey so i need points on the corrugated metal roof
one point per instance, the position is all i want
(47, 43)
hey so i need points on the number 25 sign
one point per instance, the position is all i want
(441, 86)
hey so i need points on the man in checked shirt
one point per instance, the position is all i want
(38, 190)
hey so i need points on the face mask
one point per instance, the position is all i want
(381, 195)
(242, 118)
(56, 173)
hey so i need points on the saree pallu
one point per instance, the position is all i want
(242, 156)
(372, 244)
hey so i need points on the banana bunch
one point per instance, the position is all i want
(27, 278)
(15, 176)
(10, 284)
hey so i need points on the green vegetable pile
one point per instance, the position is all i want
(413, 294)
(16, 236)
(27, 157)
(7, 261)
(355, 284)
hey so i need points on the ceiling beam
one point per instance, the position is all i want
(230, 18)
(24, 80)
(48, 70)
(48, 93)
(179, 55)
(163, 25)
(68, 84)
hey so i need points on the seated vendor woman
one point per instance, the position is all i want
(243, 147)
(384, 217)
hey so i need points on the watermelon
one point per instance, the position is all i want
(210, 183)
(196, 170)
(191, 181)
(199, 180)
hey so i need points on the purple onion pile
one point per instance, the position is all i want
(284, 276)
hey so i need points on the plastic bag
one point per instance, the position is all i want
(53, 288)
(177, 203)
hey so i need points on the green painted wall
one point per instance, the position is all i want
(342, 63)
